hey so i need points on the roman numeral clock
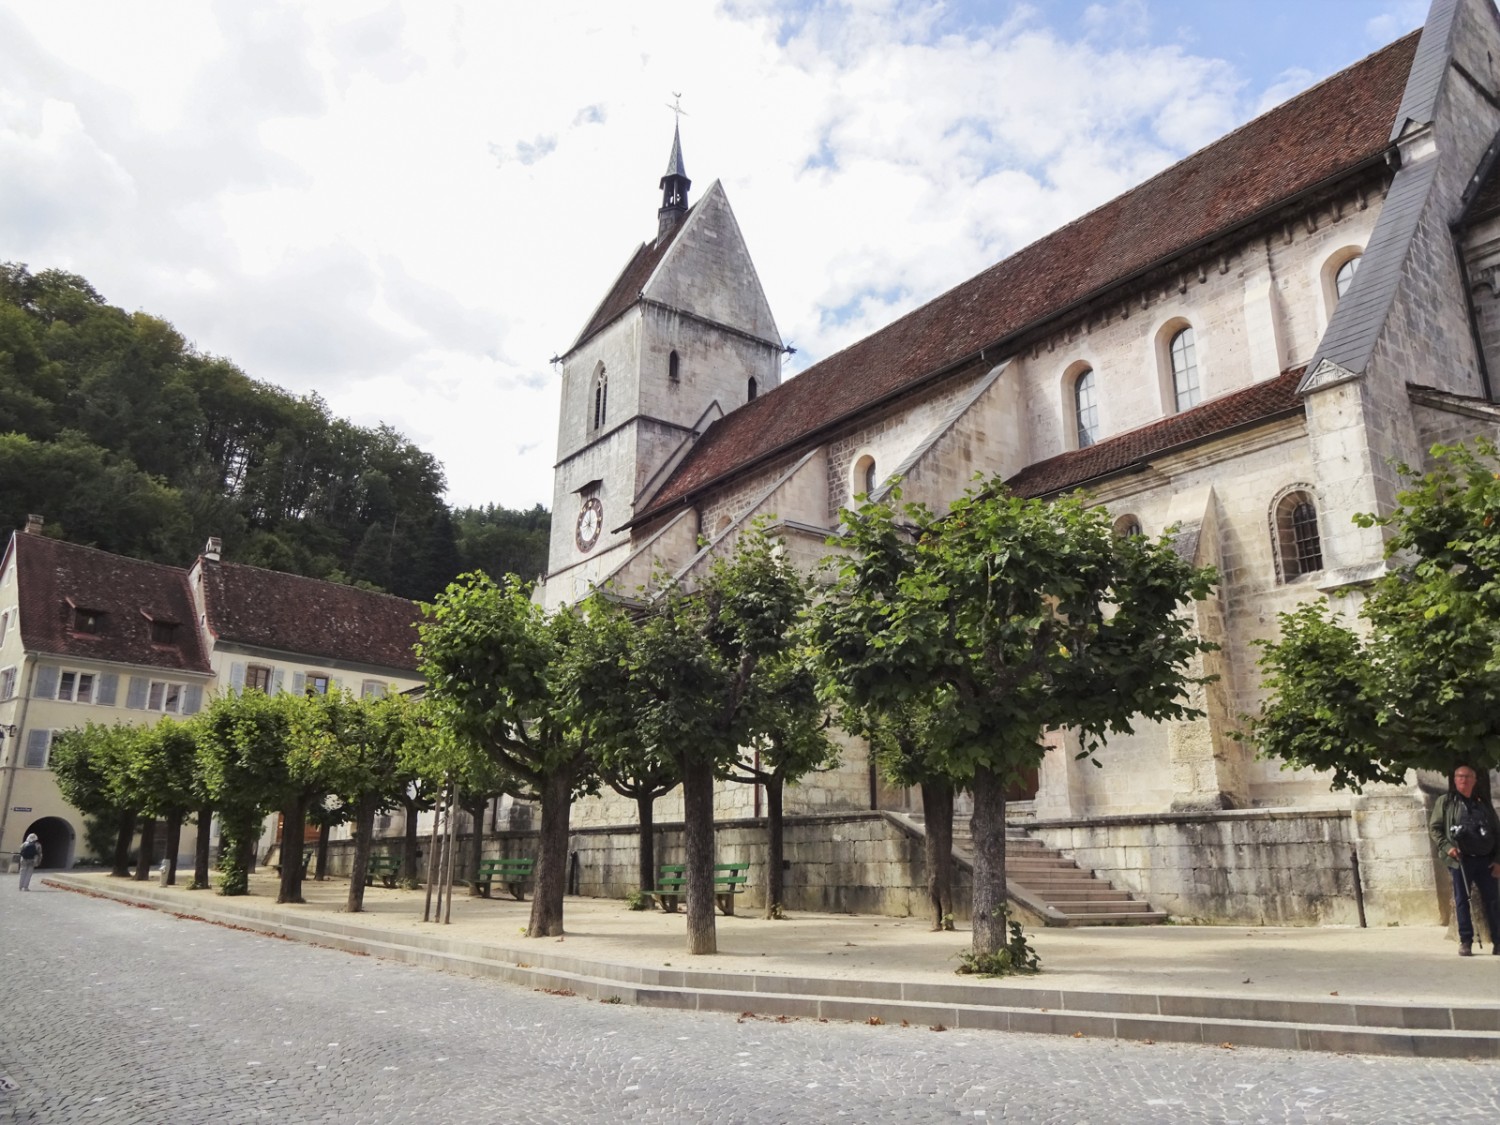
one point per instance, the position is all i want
(590, 523)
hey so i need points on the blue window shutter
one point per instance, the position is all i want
(299, 682)
(46, 682)
(277, 676)
(109, 686)
(192, 699)
(36, 749)
(237, 678)
(135, 694)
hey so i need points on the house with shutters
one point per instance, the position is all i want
(90, 636)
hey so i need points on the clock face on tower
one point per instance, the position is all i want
(590, 523)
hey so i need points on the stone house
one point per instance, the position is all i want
(90, 636)
(1242, 346)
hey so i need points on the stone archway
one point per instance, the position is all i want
(58, 842)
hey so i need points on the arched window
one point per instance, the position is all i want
(1299, 547)
(601, 397)
(1086, 408)
(1184, 358)
(1345, 276)
(865, 479)
(674, 370)
(750, 390)
(1127, 526)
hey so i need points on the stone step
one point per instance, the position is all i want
(1104, 906)
(1153, 918)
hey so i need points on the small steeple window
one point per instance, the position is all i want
(674, 368)
(601, 397)
(751, 390)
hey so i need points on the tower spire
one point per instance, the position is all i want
(674, 184)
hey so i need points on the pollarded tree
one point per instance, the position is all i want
(162, 771)
(496, 668)
(1418, 687)
(788, 740)
(91, 765)
(242, 748)
(1009, 617)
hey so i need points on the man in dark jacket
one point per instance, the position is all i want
(1465, 830)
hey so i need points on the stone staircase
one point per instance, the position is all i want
(1045, 875)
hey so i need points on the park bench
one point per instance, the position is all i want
(729, 880)
(273, 860)
(511, 873)
(383, 867)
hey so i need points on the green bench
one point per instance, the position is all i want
(729, 880)
(383, 867)
(511, 873)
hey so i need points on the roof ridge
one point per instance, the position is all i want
(22, 537)
(311, 578)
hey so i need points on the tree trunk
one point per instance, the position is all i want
(148, 850)
(698, 840)
(123, 840)
(645, 814)
(475, 809)
(174, 841)
(988, 826)
(409, 852)
(552, 863)
(321, 870)
(364, 837)
(293, 822)
(774, 873)
(201, 851)
(937, 814)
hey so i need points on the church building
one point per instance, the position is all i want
(1243, 347)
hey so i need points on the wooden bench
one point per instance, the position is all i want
(511, 873)
(729, 880)
(273, 860)
(383, 867)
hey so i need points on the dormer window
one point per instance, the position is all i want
(163, 632)
(87, 620)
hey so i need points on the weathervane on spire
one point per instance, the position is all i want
(676, 105)
(674, 185)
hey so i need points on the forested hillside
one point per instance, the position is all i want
(126, 438)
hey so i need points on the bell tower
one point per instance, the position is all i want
(683, 336)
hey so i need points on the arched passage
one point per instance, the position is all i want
(58, 840)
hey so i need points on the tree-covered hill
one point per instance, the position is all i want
(127, 438)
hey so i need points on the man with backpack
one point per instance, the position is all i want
(1466, 832)
(31, 855)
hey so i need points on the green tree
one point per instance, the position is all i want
(162, 772)
(91, 764)
(1412, 681)
(1008, 617)
(496, 668)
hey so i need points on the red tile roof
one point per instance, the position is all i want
(1259, 402)
(1335, 127)
(627, 287)
(55, 578)
(287, 612)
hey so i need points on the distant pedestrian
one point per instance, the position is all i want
(1466, 831)
(31, 855)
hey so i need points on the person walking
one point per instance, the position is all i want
(1467, 834)
(31, 855)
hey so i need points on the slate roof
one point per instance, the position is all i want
(626, 290)
(54, 578)
(1330, 130)
(308, 616)
(1257, 403)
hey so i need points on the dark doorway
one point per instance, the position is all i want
(57, 838)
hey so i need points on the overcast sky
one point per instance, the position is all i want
(409, 207)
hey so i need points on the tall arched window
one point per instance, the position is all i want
(751, 390)
(1086, 408)
(601, 397)
(865, 479)
(674, 367)
(1127, 526)
(1345, 276)
(1299, 547)
(1184, 353)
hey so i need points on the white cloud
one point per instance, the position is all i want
(409, 207)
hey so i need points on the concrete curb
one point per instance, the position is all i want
(1362, 1027)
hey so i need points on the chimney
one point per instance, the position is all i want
(34, 525)
(212, 548)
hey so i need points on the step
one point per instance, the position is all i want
(1103, 906)
(1151, 918)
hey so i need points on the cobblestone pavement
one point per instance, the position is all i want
(110, 1013)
